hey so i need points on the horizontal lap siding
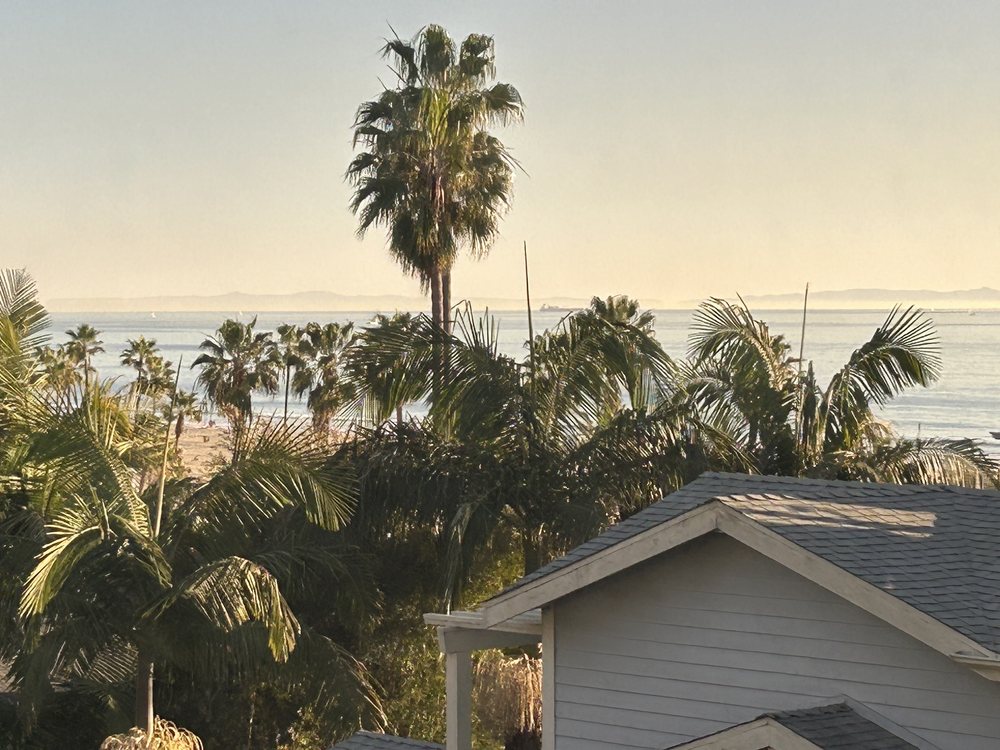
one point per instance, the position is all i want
(715, 634)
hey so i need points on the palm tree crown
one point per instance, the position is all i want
(137, 354)
(83, 344)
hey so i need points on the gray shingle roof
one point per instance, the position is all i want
(376, 741)
(837, 726)
(935, 547)
(840, 727)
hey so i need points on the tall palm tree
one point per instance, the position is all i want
(292, 349)
(83, 344)
(744, 375)
(430, 172)
(235, 363)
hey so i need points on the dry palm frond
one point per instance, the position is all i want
(508, 690)
(166, 736)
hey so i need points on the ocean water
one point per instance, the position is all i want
(965, 402)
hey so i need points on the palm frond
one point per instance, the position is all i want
(904, 351)
(233, 592)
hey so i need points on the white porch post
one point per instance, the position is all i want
(458, 712)
(459, 634)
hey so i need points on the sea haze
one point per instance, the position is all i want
(965, 402)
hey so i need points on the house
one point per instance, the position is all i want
(750, 613)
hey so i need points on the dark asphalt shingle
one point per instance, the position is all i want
(833, 727)
(376, 741)
(840, 727)
(935, 547)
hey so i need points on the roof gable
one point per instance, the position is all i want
(832, 727)
(840, 727)
(929, 552)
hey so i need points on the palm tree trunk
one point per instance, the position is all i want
(531, 549)
(446, 300)
(437, 319)
(144, 694)
(288, 373)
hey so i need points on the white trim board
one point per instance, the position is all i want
(464, 632)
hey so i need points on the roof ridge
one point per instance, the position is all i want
(862, 484)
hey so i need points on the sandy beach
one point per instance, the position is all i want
(202, 448)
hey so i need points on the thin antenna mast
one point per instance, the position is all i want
(802, 338)
(527, 295)
(802, 353)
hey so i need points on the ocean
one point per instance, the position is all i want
(965, 402)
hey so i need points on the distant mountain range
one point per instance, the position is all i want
(300, 302)
(984, 297)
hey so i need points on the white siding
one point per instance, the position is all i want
(714, 634)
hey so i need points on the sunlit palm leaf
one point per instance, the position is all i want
(233, 592)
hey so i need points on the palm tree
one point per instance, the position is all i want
(545, 450)
(320, 375)
(375, 368)
(83, 344)
(137, 356)
(430, 172)
(744, 375)
(107, 582)
(292, 348)
(160, 376)
(61, 372)
(186, 406)
(237, 362)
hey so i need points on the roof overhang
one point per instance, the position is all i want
(461, 632)
(716, 516)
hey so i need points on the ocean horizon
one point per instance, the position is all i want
(963, 403)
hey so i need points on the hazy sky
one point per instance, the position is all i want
(674, 150)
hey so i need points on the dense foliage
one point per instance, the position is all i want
(276, 601)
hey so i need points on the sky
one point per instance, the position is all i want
(672, 150)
